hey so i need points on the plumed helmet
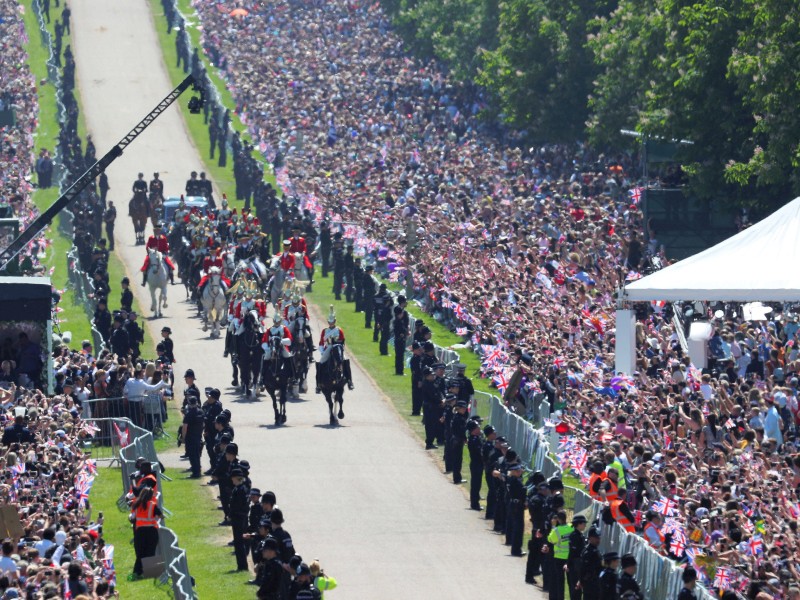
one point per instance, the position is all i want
(331, 315)
(276, 318)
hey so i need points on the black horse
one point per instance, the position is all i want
(332, 379)
(300, 355)
(247, 360)
(275, 377)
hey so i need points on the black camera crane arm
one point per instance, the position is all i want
(45, 218)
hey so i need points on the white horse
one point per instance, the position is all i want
(157, 279)
(214, 302)
(291, 279)
(229, 265)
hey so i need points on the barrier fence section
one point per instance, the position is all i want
(140, 442)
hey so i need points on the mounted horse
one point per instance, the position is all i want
(275, 373)
(300, 357)
(247, 358)
(139, 212)
(214, 302)
(331, 380)
(157, 277)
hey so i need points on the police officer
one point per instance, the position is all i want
(325, 245)
(358, 284)
(608, 576)
(191, 388)
(271, 572)
(515, 493)
(338, 264)
(254, 516)
(225, 466)
(415, 364)
(538, 510)
(500, 510)
(135, 334)
(212, 408)
(239, 511)
(490, 455)
(475, 449)
(367, 294)
(380, 303)
(417, 336)
(458, 437)
(285, 544)
(466, 390)
(590, 566)
(400, 327)
(349, 266)
(193, 425)
(559, 538)
(576, 546)
(689, 578)
(432, 403)
(628, 588)
(447, 420)
(386, 326)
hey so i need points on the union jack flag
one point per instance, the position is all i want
(461, 331)
(692, 554)
(665, 506)
(755, 545)
(500, 382)
(722, 580)
(678, 546)
(636, 195)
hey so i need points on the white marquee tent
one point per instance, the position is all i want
(755, 264)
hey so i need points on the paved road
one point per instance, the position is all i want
(365, 498)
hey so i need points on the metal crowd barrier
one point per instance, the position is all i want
(176, 567)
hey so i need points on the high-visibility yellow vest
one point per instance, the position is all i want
(559, 537)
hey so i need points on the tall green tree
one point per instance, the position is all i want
(542, 70)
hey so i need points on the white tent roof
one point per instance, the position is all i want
(758, 263)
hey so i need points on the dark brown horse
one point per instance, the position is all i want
(139, 212)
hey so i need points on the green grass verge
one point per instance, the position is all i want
(210, 562)
(198, 130)
(74, 314)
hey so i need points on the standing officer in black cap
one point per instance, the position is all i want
(608, 576)
(379, 303)
(539, 513)
(475, 448)
(239, 511)
(458, 437)
(490, 455)
(212, 407)
(325, 244)
(417, 335)
(386, 326)
(272, 571)
(590, 566)
(191, 389)
(508, 457)
(400, 330)
(515, 494)
(285, 544)
(193, 425)
(628, 588)
(415, 364)
(223, 472)
(367, 294)
(576, 546)
(432, 403)
(349, 266)
(358, 284)
(466, 391)
(338, 264)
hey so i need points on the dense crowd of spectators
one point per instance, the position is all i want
(522, 250)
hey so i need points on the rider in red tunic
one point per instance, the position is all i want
(287, 258)
(298, 244)
(158, 241)
(213, 261)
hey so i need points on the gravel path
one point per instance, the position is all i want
(364, 498)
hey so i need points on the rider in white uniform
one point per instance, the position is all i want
(297, 310)
(278, 329)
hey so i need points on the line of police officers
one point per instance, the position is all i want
(255, 520)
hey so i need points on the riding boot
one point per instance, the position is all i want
(144, 278)
(347, 374)
(317, 390)
(171, 277)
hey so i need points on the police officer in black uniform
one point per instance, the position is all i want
(386, 327)
(490, 454)
(458, 437)
(193, 424)
(367, 294)
(135, 334)
(358, 283)
(591, 564)
(415, 364)
(285, 545)
(212, 408)
(466, 391)
(577, 544)
(539, 513)
(515, 496)
(325, 246)
(475, 448)
(500, 509)
(349, 267)
(447, 420)
(271, 572)
(239, 511)
(432, 404)
(400, 327)
(338, 264)
(380, 303)
(225, 466)
(608, 576)
(628, 588)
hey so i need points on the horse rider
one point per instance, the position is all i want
(158, 241)
(330, 336)
(140, 185)
(224, 215)
(287, 258)
(298, 309)
(241, 310)
(278, 330)
(214, 260)
(156, 188)
(298, 244)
